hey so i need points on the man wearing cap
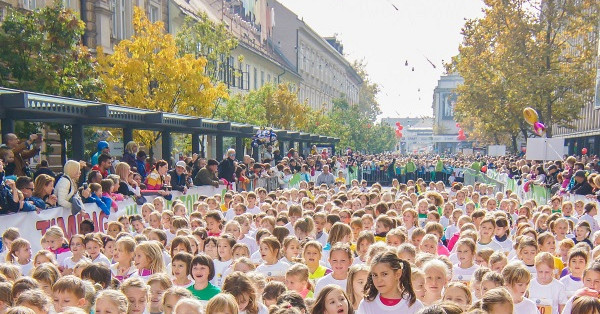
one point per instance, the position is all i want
(551, 176)
(581, 187)
(179, 177)
(208, 174)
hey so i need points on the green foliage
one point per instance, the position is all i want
(41, 51)
(367, 103)
(204, 38)
(522, 55)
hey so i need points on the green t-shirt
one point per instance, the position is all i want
(439, 166)
(206, 293)
(410, 167)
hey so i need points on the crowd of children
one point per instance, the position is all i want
(412, 248)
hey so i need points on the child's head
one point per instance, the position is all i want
(42, 257)
(20, 249)
(296, 278)
(497, 300)
(111, 301)
(429, 244)
(490, 281)
(33, 299)
(148, 255)
(202, 268)
(458, 293)
(272, 291)
(158, 283)
(46, 275)
(55, 237)
(312, 252)
(527, 249)
(436, 277)
(357, 278)
(68, 291)
(225, 245)
(340, 259)
(397, 279)
(577, 262)
(137, 292)
(291, 248)
(497, 261)
(329, 299)
(516, 278)
(240, 285)
(172, 296)
(221, 303)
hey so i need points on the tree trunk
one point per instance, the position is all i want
(514, 143)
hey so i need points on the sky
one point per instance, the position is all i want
(387, 34)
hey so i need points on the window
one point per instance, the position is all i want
(268, 78)
(262, 78)
(121, 18)
(29, 4)
(154, 11)
(255, 76)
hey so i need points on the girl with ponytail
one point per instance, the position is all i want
(389, 288)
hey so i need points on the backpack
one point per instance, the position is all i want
(58, 176)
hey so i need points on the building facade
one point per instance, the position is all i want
(444, 125)
(417, 134)
(267, 51)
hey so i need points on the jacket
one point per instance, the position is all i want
(227, 170)
(178, 182)
(21, 153)
(206, 177)
(103, 202)
(583, 188)
(65, 189)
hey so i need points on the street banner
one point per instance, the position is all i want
(32, 226)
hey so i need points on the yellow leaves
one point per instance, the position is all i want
(147, 72)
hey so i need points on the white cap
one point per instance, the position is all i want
(181, 163)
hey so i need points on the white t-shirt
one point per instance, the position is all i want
(256, 258)
(525, 307)
(329, 280)
(450, 231)
(101, 258)
(444, 221)
(253, 210)
(552, 294)
(170, 236)
(571, 285)
(377, 307)
(507, 245)
(251, 243)
(463, 274)
(323, 238)
(220, 267)
(60, 258)
(276, 270)
(25, 269)
(68, 263)
(492, 245)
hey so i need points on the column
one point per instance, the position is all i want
(219, 147)
(127, 135)
(77, 142)
(8, 126)
(255, 154)
(196, 143)
(239, 147)
(167, 144)
(281, 147)
(332, 149)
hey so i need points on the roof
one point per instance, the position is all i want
(30, 106)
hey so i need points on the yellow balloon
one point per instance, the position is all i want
(530, 115)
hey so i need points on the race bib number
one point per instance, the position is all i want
(544, 306)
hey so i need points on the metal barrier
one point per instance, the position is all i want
(472, 176)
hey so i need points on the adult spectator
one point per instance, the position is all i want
(227, 166)
(208, 175)
(127, 186)
(25, 186)
(410, 169)
(179, 177)
(102, 149)
(325, 177)
(22, 151)
(198, 164)
(581, 187)
(94, 177)
(66, 186)
(43, 188)
(140, 164)
(551, 176)
(156, 179)
(129, 155)
(43, 168)
(104, 163)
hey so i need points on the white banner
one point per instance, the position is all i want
(32, 225)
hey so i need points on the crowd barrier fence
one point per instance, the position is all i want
(33, 226)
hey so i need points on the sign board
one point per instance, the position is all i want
(116, 148)
(496, 150)
(545, 148)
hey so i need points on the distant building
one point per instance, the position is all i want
(444, 125)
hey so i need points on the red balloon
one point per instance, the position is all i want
(400, 127)
(584, 151)
(458, 125)
(484, 169)
(397, 123)
(523, 149)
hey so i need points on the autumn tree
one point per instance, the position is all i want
(367, 103)
(522, 54)
(202, 37)
(148, 71)
(41, 51)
